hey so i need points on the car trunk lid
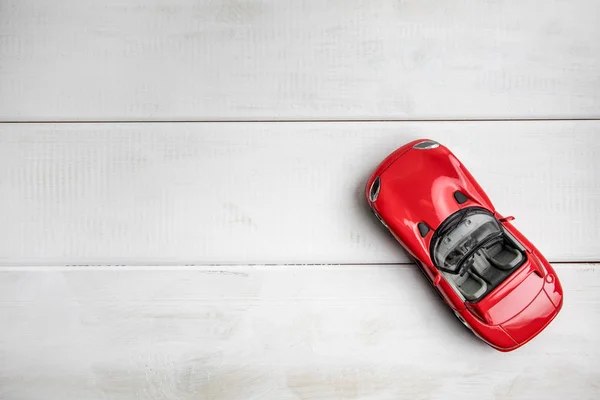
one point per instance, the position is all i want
(532, 320)
(512, 296)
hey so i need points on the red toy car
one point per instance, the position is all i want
(497, 283)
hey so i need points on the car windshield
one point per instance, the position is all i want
(460, 235)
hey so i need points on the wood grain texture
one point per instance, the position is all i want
(245, 193)
(298, 59)
(306, 332)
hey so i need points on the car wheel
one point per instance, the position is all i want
(379, 218)
(461, 319)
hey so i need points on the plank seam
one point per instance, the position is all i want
(245, 121)
(251, 265)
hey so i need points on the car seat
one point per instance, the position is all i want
(503, 256)
(470, 285)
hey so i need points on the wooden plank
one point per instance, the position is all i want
(338, 332)
(250, 193)
(290, 59)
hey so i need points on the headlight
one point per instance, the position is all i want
(374, 192)
(427, 144)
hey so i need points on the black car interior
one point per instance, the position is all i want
(486, 269)
(475, 253)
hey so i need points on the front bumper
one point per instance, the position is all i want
(386, 163)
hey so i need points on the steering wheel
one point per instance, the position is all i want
(469, 243)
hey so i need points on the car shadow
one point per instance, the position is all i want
(437, 308)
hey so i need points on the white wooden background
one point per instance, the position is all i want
(181, 194)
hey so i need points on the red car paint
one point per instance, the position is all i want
(417, 185)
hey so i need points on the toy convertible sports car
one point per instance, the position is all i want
(497, 283)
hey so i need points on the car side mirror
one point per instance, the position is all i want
(437, 280)
(507, 219)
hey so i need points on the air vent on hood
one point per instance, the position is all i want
(423, 229)
(460, 197)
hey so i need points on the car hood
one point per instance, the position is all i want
(420, 186)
